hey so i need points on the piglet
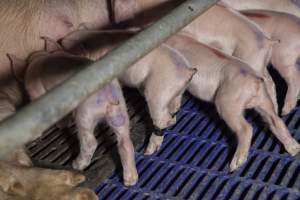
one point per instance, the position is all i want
(233, 87)
(18, 182)
(286, 54)
(47, 70)
(236, 35)
(162, 76)
(286, 6)
(227, 30)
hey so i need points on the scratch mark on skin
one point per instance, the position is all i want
(255, 15)
(218, 53)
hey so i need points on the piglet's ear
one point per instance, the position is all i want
(75, 42)
(51, 45)
(123, 10)
(17, 67)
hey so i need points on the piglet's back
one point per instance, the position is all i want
(198, 54)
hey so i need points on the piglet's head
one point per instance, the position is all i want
(51, 45)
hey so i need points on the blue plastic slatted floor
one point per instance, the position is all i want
(193, 162)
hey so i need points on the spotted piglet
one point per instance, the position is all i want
(286, 54)
(233, 87)
(162, 76)
(47, 70)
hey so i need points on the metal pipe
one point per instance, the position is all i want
(35, 118)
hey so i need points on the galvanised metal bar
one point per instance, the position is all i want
(35, 118)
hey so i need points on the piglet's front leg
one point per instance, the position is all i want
(158, 101)
(164, 99)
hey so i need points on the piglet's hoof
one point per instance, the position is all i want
(154, 144)
(287, 109)
(238, 160)
(130, 178)
(79, 164)
(293, 148)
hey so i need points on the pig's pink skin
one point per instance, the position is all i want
(235, 35)
(161, 84)
(232, 33)
(24, 22)
(93, 44)
(286, 54)
(286, 6)
(48, 70)
(233, 87)
(143, 12)
(27, 21)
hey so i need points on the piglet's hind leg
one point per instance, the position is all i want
(231, 111)
(85, 121)
(265, 108)
(175, 104)
(292, 93)
(117, 118)
(271, 89)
